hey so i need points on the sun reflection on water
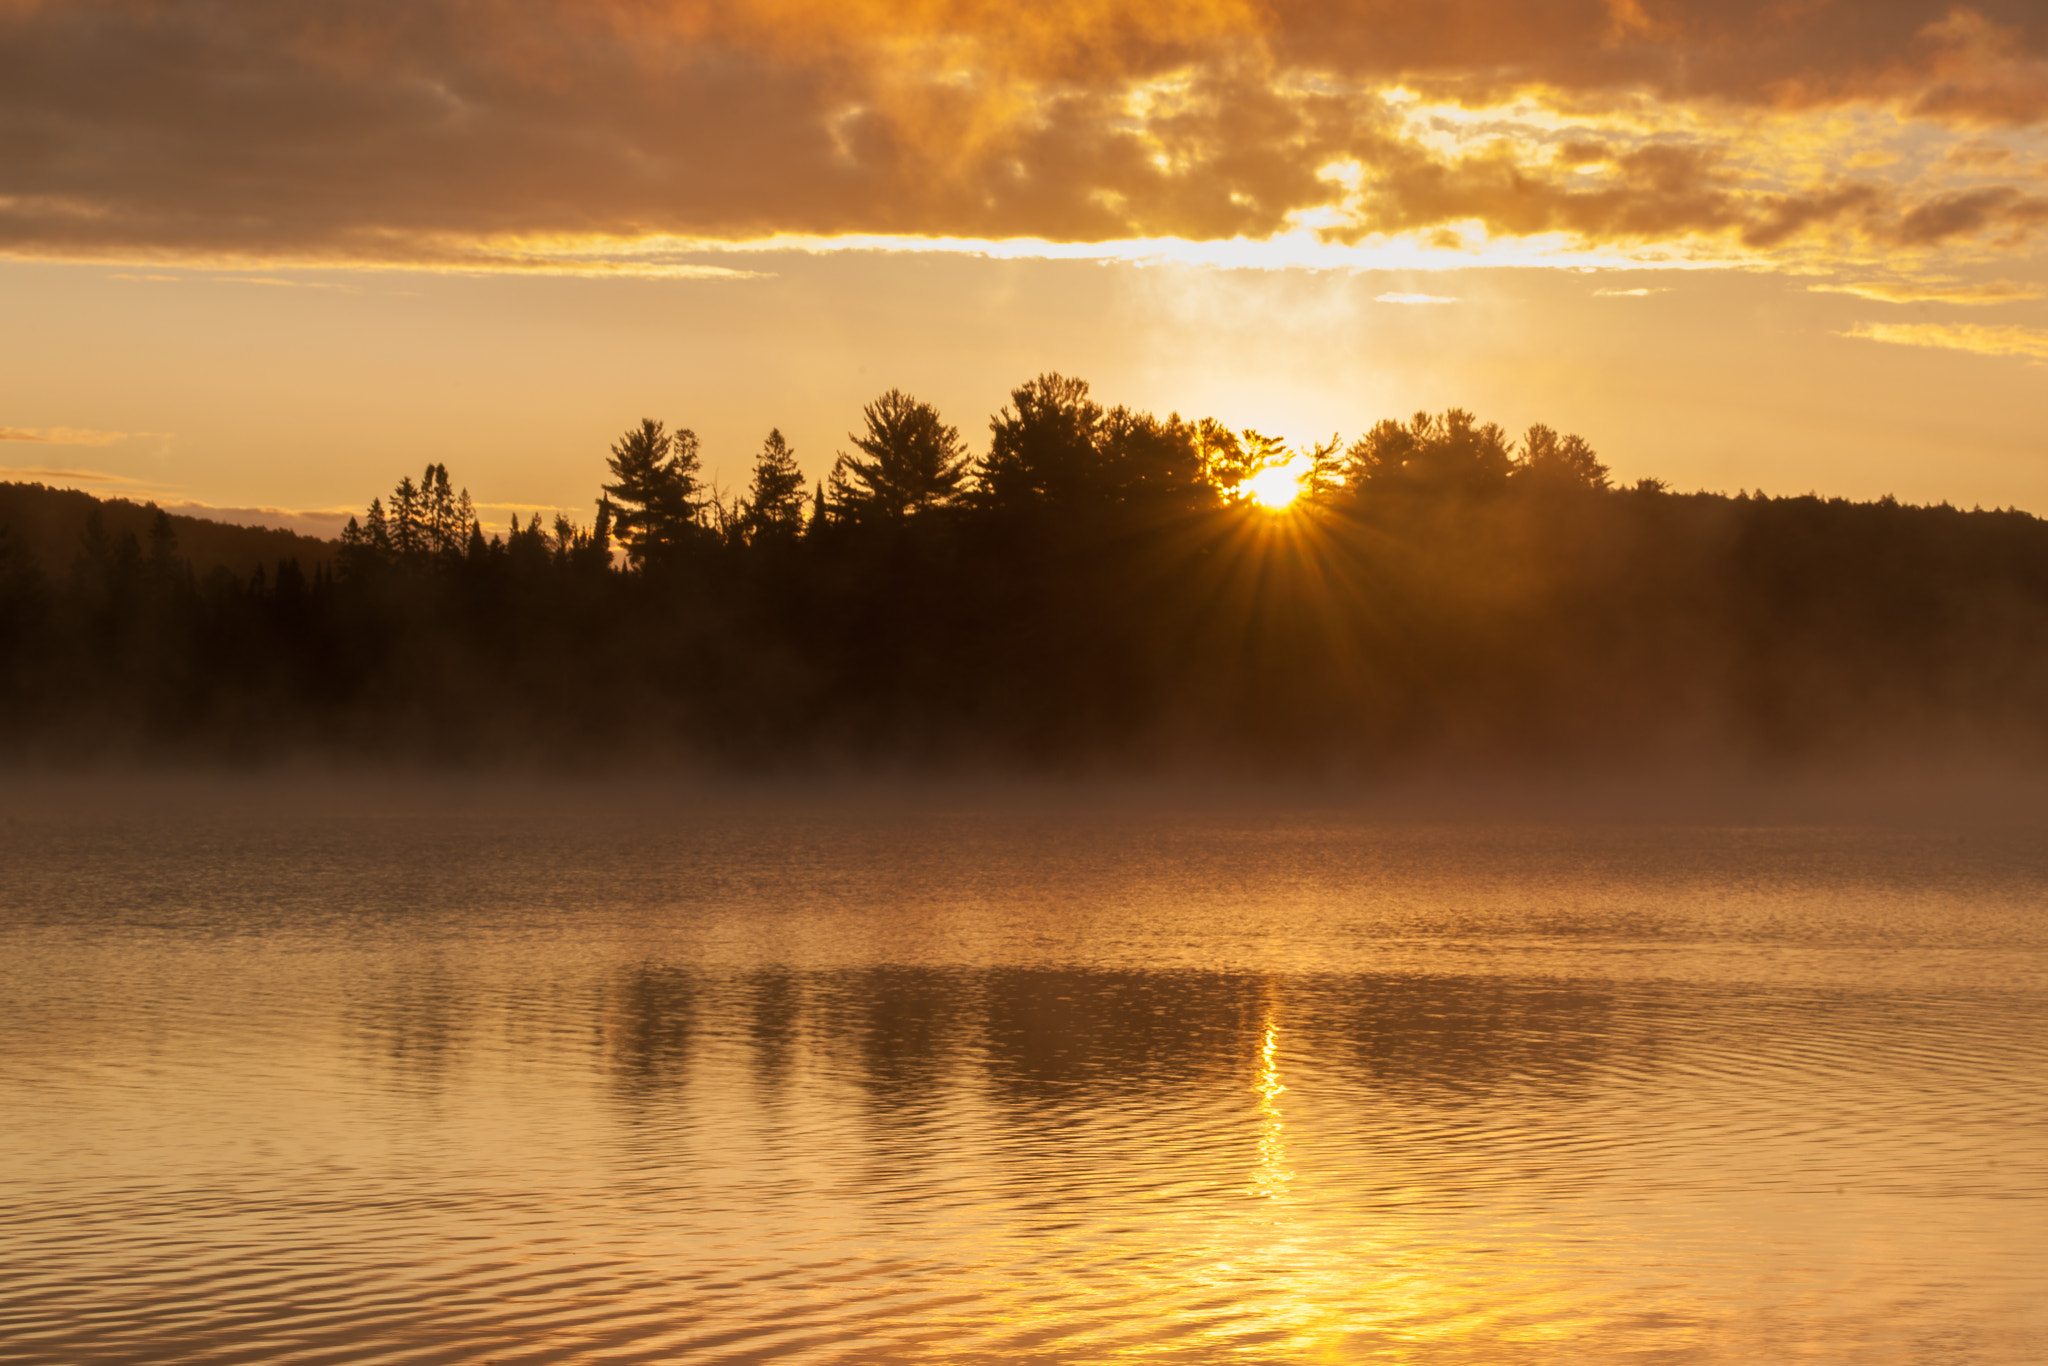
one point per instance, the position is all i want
(683, 1144)
(1272, 1174)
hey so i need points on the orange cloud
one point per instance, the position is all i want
(1965, 292)
(450, 132)
(1983, 72)
(2028, 342)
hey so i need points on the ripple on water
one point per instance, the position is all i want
(1387, 1095)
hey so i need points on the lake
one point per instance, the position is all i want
(301, 1071)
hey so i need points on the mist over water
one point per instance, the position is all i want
(301, 1072)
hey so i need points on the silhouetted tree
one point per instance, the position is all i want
(446, 518)
(377, 529)
(584, 551)
(597, 549)
(1548, 459)
(408, 538)
(1448, 453)
(430, 526)
(1244, 455)
(658, 491)
(775, 502)
(1227, 459)
(527, 548)
(1154, 466)
(437, 511)
(1044, 452)
(915, 462)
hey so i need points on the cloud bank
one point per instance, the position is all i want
(518, 133)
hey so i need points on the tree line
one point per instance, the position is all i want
(1053, 453)
(1099, 587)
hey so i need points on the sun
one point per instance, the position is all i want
(1276, 487)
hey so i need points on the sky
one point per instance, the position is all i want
(264, 259)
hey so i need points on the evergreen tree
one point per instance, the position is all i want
(775, 503)
(377, 530)
(1045, 452)
(595, 552)
(1555, 461)
(1448, 453)
(408, 532)
(1260, 452)
(658, 492)
(1153, 464)
(442, 532)
(1221, 456)
(915, 462)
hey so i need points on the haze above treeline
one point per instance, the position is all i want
(1102, 589)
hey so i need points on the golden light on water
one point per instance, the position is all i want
(1276, 487)
(1272, 1174)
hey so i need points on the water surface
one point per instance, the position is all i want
(315, 1073)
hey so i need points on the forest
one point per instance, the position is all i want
(1100, 590)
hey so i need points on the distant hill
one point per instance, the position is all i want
(46, 524)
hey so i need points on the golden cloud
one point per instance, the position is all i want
(2028, 342)
(456, 133)
(1949, 291)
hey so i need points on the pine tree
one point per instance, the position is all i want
(915, 461)
(598, 550)
(658, 492)
(1558, 461)
(1154, 467)
(775, 503)
(376, 530)
(408, 535)
(442, 533)
(1439, 454)
(1045, 453)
